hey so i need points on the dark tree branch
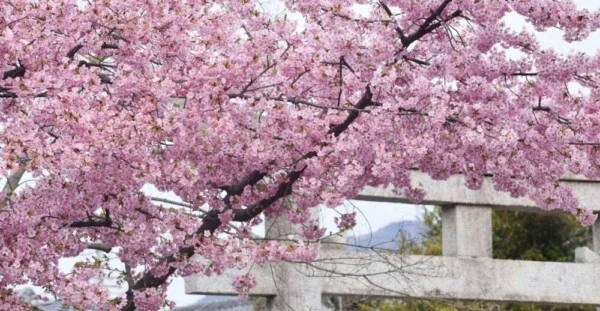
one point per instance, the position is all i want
(211, 221)
(91, 223)
(431, 23)
(387, 10)
(74, 51)
(284, 190)
(8, 95)
(249, 180)
(430, 28)
(88, 65)
(18, 71)
(109, 46)
(540, 108)
(418, 61)
(106, 221)
(363, 103)
(252, 80)
(298, 77)
(100, 247)
(561, 120)
(104, 79)
(523, 74)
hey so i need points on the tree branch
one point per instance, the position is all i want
(100, 247)
(18, 71)
(418, 61)
(74, 51)
(249, 180)
(363, 103)
(109, 46)
(211, 221)
(427, 26)
(387, 10)
(91, 222)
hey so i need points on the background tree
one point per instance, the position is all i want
(541, 237)
(242, 113)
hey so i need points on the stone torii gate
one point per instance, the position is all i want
(466, 270)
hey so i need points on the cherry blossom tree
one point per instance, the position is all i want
(242, 114)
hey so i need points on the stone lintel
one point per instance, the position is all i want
(453, 191)
(433, 277)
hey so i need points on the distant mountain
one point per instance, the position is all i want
(389, 236)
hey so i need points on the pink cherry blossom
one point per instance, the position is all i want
(244, 113)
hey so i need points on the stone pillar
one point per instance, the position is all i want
(466, 231)
(596, 237)
(331, 247)
(596, 242)
(296, 290)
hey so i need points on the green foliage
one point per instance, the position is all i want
(541, 237)
(516, 235)
(432, 238)
(408, 305)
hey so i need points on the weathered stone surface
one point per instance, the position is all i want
(221, 285)
(478, 279)
(453, 191)
(466, 231)
(293, 287)
(440, 277)
(596, 236)
(466, 272)
(586, 255)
